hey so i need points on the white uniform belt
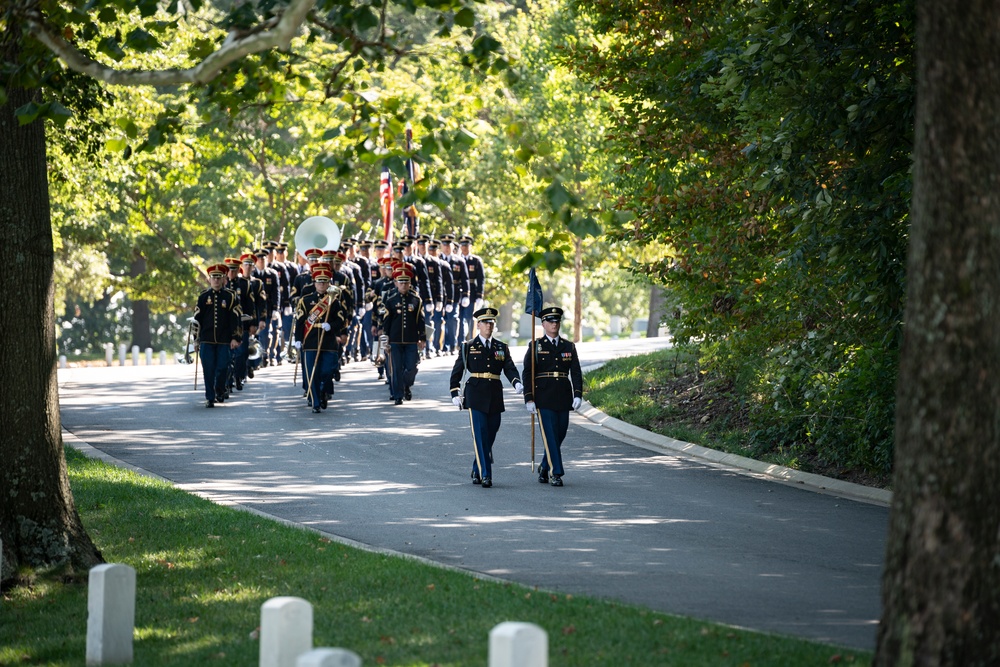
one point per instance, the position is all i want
(485, 376)
(553, 374)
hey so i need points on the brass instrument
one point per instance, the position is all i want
(379, 351)
(253, 350)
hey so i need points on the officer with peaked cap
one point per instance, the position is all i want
(321, 321)
(555, 386)
(485, 359)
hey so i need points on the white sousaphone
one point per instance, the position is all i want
(317, 232)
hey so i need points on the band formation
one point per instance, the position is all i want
(390, 305)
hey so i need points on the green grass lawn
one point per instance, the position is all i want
(203, 571)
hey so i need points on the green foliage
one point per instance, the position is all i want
(768, 155)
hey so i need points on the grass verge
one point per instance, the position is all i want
(203, 572)
(667, 392)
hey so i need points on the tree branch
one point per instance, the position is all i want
(276, 34)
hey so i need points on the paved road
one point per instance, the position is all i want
(656, 529)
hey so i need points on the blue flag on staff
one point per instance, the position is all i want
(533, 302)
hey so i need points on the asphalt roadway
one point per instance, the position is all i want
(635, 522)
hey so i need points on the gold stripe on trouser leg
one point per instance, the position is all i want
(475, 445)
(545, 441)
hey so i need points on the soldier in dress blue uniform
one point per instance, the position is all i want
(477, 283)
(460, 292)
(403, 323)
(555, 386)
(485, 358)
(218, 317)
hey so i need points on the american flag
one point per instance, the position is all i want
(385, 198)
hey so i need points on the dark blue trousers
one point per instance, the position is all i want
(319, 374)
(554, 425)
(484, 431)
(215, 364)
(403, 364)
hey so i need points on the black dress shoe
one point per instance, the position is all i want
(398, 401)
(239, 386)
(250, 373)
(476, 479)
(279, 362)
(487, 482)
(316, 411)
(556, 480)
(407, 395)
(209, 404)
(543, 476)
(322, 404)
(336, 375)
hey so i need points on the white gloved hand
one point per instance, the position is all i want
(438, 306)
(465, 301)
(325, 326)
(429, 308)
(360, 312)
(519, 388)
(368, 306)
(297, 344)
(456, 401)
(576, 402)
(531, 407)
(479, 304)
(448, 308)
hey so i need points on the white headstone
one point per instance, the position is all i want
(286, 627)
(110, 614)
(515, 644)
(149, 356)
(329, 657)
(163, 358)
(62, 361)
(616, 325)
(109, 353)
(122, 347)
(135, 355)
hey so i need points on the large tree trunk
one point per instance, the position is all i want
(941, 588)
(39, 524)
(141, 333)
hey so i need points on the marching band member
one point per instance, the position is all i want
(321, 324)
(403, 323)
(218, 317)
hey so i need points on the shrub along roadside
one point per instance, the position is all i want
(669, 392)
(203, 572)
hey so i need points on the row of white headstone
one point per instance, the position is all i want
(286, 628)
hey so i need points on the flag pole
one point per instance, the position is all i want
(533, 391)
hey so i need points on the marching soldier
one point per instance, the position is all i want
(460, 292)
(403, 323)
(256, 292)
(320, 330)
(485, 358)
(248, 312)
(477, 283)
(446, 295)
(552, 369)
(269, 277)
(218, 317)
(287, 273)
